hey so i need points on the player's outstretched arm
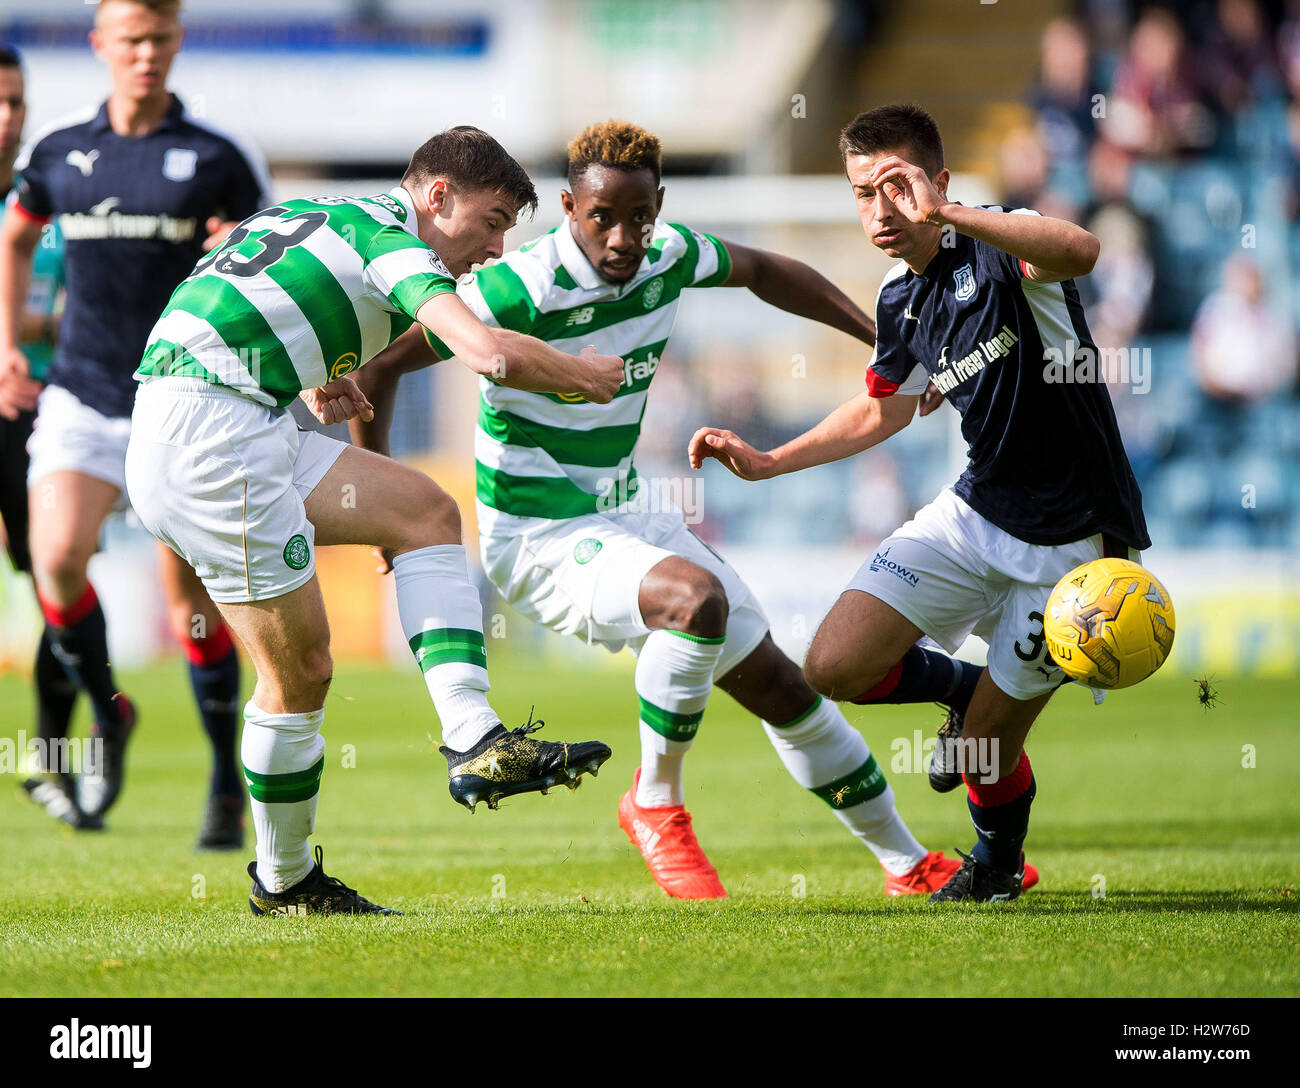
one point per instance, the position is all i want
(518, 361)
(1052, 249)
(797, 288)
(854, 426)
(19, 236)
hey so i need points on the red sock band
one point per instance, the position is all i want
(1004, 790)
(57, 615)
(887, 685)
(210, 650)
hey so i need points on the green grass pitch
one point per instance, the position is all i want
(1147, 797)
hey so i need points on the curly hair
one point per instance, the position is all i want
(618, 144)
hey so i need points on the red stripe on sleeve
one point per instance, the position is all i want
(31, 217)
(1024, 269)
(878, 386)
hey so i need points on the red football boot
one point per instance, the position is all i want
(671, 851)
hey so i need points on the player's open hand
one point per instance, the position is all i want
(605, 376)
(737, 455)
(18, 392)
(217, 229)
(338, 401)
(909, 188)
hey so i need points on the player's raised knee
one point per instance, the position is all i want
(698, 605)
(829, 674)
(315, 670)
(431, 515)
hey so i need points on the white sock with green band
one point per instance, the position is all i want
(674, 676)
(442, 619)
(827, 756)
(283, 757)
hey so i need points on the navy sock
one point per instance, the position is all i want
(1000, 813)
(79, 640)
(214, 677)
(56, 693)
(926, 676)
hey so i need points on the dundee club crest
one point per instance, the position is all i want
(963, 282)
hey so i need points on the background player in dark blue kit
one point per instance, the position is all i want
(983, 306)
(55, 692)
(140, 190)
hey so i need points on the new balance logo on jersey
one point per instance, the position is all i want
(82, 160)
(582, 316)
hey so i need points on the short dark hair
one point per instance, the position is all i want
(472, 160)
(620, 145)
(904, 128)
(9, 57)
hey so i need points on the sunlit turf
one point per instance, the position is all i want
(1168, 867)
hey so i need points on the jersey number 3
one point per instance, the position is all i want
(287, 232)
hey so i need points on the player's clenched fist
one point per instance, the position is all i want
(338, 401)
(18, 392)
(605, 376)
(737, 455)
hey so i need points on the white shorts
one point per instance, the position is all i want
(221, 480)
(954, 574)
(582, 576)
(70, 436)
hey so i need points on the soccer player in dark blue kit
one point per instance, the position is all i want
(141, 190)
(983, 306)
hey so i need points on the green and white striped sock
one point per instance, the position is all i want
(674, 676)
(283, 757)
(827, 756)
(442, 619)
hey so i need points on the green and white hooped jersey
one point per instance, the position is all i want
(544, 455)
(298, 295)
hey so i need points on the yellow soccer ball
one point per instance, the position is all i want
(1109, 623)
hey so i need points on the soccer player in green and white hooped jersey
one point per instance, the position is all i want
(566, 542)
(297, 298)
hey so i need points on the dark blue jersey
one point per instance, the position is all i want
(1016, 359)
(132, 210)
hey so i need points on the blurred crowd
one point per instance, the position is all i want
(1173, 134)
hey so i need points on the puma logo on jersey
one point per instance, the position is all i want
(106, 205)
(582, 316)
(909, 316)
(82, 160)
